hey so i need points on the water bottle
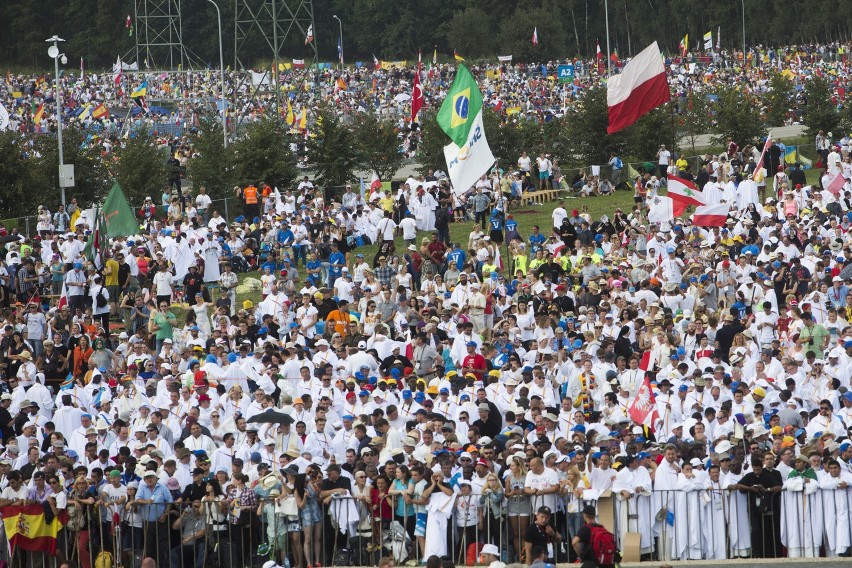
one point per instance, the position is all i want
(286, 561)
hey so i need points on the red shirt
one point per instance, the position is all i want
(477, 362)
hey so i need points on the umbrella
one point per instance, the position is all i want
(402, 97)
(270, 416)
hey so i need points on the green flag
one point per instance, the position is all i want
(96, 246)
(119, 219)
(460, 108)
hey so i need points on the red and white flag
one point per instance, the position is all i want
(641, 87)
(835, 186)
(713, 215)
(599, 58)
(643, 410)
(63, 297)
(416, 92)
(647, 361)
(535, 36)
(309, 36)
(685, 192)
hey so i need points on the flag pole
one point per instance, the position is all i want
(608, 50)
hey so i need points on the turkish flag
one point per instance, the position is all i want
(416, 94)
(644, 406)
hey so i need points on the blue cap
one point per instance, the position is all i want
(572, 455)
(71, 454)
(578, 343)
(643, 456)
(196, 328)
(683, 388)
(640, 440)
(102, 369)
(294, 324)
(527, 369)
(364, 393)
(776, 264)
(447, 294)
(848, 395)
(847, 344)
(395, 373)
(464, 397)
(681, 350)
(470, 344)
(263, 330)
(78, 265)
(232, 357)
(673, 356)
(347, 417)
(406, 394)
(255, 456)
(845, 446)
(444, 390)
(579, 428)
(210, 359)
(419, 397)
(798, 433)
(670, 250)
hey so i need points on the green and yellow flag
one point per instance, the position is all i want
(462, 105)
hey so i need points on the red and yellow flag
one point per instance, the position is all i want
(39, 114)
(100, 111)
(26, 528)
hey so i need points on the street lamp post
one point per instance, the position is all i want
(340, 42)
(608, 52)
(53, 51)
(222, 76)
(744, 43)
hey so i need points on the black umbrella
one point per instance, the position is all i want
(272, 417)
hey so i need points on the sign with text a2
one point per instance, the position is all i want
(565, 73)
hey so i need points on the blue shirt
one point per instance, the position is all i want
(458, 256)
(536, 242)
(496, 224)
(336, 258)
(159, 495)
(511, 226)
(286, 237)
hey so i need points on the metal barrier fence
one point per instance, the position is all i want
(342, 530)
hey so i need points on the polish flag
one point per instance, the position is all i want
(647, 361)
(643, 410)
(63, 297)
(599, 58)
(535, 36)
(713, 215)
(685, 192)
(641, 87)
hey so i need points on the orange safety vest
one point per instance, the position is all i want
(250, 195)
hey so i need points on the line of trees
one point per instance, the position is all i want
(396, 29)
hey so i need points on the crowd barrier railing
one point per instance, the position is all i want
(691, 524)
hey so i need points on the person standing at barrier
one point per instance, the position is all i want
(542, 534)
(763, 488)
(82, 497)
(192, 548)
(153, 499)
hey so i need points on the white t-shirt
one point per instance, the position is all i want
(524, 163)
(543, 480)
(409, 228)
(387, 228)
(665, 156)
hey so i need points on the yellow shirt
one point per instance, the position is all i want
(521, 263)
(111, 272)
(487, 269)
(387, 203)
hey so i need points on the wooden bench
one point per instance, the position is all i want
(539, 196)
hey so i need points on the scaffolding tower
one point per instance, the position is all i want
(273, 23)
(159, 36)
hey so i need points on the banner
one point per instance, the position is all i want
(504, 58)
(299, 63)
(27, 530)
(4, 117)
(565, 73)
(467, 164)
(391, 64)
(258, 79)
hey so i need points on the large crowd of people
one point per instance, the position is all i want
(264, 385)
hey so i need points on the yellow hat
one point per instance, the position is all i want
(494, 373)
(775, 430)
(451, 374)
(247, 305)
(318, 296)
(788, 442)
(759, 391)
(432, 390)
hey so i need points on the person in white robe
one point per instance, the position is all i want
(714, 516)
(747, 193)
(424, 211)
(687, 515)
(439, 510)
(180, 255)
(739, 533)
(632, 490)
(801, 512)
(665, 485)
(836, 501)
(211, 251)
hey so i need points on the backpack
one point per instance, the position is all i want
(101, 300)
(104, 560)
(603, 546)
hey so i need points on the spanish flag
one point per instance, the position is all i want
(39, 114)
(26, 528)
(100, 112)
(140, 91)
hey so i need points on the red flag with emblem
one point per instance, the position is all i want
(643, 410)
(416, 92)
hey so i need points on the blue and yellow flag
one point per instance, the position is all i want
(140, 91)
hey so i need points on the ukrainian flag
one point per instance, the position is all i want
(140, 91)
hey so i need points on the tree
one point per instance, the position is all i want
(737, 117)
(378, 145)
(264, 155)
(141, 168)
(430, 150)
(693, 119)
(820, 113)
(777, 99)
(213, 165)
(587, 123)
(333, 150)
(643, 138)
(471, 32)
(14, 178)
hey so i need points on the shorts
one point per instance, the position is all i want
(113, 293)
(420, 524)
(543, 175)
(293, 525)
